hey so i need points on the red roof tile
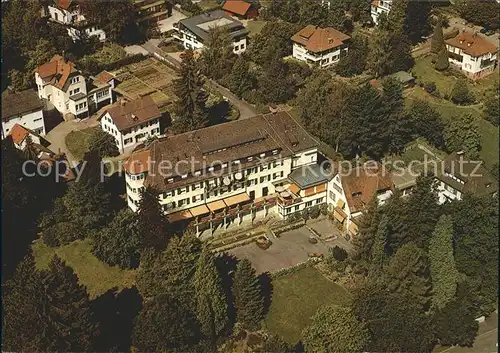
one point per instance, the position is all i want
(318, 39)
(238, 7)
(57, 70)
(472, 44)
(19, 133)
(129, 114)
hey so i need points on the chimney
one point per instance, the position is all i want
(330, 40)
(134, 117)
(122, 102)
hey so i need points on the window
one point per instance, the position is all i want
(337, 187)
(127, 141)
(37, 120)
(242, 46)
(250, 159)
(332, 195)
(318, 201)
(309, 203)
(181, 191)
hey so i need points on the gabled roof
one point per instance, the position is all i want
(17, 103)
(467, 176)
(238, 7)
(57, 71)
(362, 183)
(129, 114)
(19, 133)
(472, 43)
(64, 4)
(317, 39)
(104, 77)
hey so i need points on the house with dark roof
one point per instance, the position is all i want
(241, 9)
(193, 32)
(64, 86)
(68, 14)
(131, 122)
(321, 46)
(458, 175)
(22, 108)
(472, 53)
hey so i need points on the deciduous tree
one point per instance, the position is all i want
(217, 56)
(460, 93)
(462, 134)
(427, 122)
(335, 329)
(492, 109)
(241, 79)
(103, 143)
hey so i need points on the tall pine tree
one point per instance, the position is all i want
(443, 270)
(437, 41)
(247, 294)
(190, 108)
(241, 79)
(211, 304)
(152, 224)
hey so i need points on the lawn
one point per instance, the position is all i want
(255, 26)
(92, 273)
(76, 141)
(209, 4)
(296, 298)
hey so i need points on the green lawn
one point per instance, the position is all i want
(209, 4)
(94, 274)
(296, 298)
(490, 142)
(255, 26)
(76, 141)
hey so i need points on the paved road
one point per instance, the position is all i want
(246, 110)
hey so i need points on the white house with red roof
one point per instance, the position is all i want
(323, 46)
(472, 53)
(68, 13)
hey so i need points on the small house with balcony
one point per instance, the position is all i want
(68, 13)
(321, 46)
(472, 53)
(378, 7)
(193, 32)
(61, 84)
(131, 122)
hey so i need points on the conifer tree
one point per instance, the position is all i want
(378, 252)
(190, 107)
(443, 270)
(240, 79)
(217, 56)
(152, 224)
(437, 41)
(71, 326)
(275, 85)
(460, 93)
(247, 294)
(408, 273)
(363, 242)
(211, 305)
(462, 134)
(442, 62)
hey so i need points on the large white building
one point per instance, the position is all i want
(60, 83)
(193, 32)
(473, 53)
(322, 46)
(22, 108)
(68, 14)
(243, 170)
(378, 7)
(131, 122)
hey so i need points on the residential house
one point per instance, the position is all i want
(322, 46)
(151, 11)
(193, 32)
(459, 175)
(350, 192)
(22, 108)
(404, 78)
(378, 7)
(241, 9)
(472, 53)
(61, 84)
(230, 173)
(131, 122)
(19, 135)
(69, 14)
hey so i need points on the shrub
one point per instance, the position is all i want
(339, 253)
(49, 238)
(323, 209)
(314, 212)
(430, 87)
(305, 214)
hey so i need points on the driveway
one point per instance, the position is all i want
(168, 23)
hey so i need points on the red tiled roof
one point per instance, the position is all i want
(137, 162)
(19, 133)
(318, 39)
(58, 70)
(63, 4)
(104, 77)
(129, 114)
(362, 183)
(472, 44)
(238, 7)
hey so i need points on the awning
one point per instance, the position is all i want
(339, 215)
(179, 216)
(199, 210)
(353, 228)
(294, 188)
(310, 191)
(320, 188)
(340, 204)
(216, 205)
(236, 199)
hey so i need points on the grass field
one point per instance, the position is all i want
(255, 26)
(76, 141)
(296, 298)
(92, 273)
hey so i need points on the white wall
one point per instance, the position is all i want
(447, 193)
(326, 59)
(469, 63)
(65, 17)
(190, 41)
(33, 121)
